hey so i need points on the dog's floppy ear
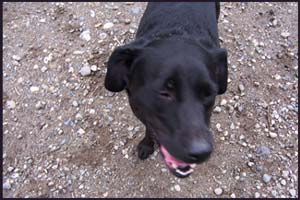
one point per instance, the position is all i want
(220, 58)
(119, 64)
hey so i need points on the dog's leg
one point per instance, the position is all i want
(146, 146)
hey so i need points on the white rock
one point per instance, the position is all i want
(11, 104)
(130, 128)
(217, 109)
(241, 88)
(92, 13)
(39, 105)
(6, 186)
(285, 34)
(34, 89)
(277, 77)
(223, 102)
(92, 111)
(85, 35)
(108, 25)
(48, 58)
(218, 191)
(81, 131)
(285, 173)
(94, 68)
(127, 21)
(85, 71)
(177, 188)
(275, 22)
(272, 134)
(75, 103)
(78, 117)
(102, 36)
(77, 52)
(44, 68)
(51, 183)
(105, 194)
(292, 192)
(283, 182)
(266, 178)
(10, 169)
(17, 58)
(256, 195)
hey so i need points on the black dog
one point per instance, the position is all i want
(172, 73)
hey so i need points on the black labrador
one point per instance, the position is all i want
(172, 73)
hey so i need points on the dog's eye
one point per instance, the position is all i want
(170, 84)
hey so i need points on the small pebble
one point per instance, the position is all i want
(78, 117)
(218, 191)
(283, 182)
(274, 22)
(223, 102)
(85, 35)
(266, 178)
(127, 21)
(263, 150)
(85, 71)
(81, 131)
(256, 195)
(292, 192)
(259, 168)
(108, 25)
(6, 186)
(19, 137)
(241, 88)
(51, 183)
(285, 34)
(17, 58)
(75, 103)
(44, 69)
(105, 194)
(39, 105)
(163, 170)
(217, 109)
(102, 36)
(177, 188)
(94, 68)
(285, 173)
(272, 134)
(92, 13)
(11, 104)
(34, 89)
(10, 169)
(92, 111)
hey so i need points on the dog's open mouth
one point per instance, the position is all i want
(177, 167)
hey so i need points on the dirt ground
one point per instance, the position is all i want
(65, 135)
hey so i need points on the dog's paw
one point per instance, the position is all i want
(145, 149)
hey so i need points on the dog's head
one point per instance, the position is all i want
(172, 85)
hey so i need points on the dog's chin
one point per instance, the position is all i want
(177, 167)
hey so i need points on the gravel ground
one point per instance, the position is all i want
(64, 135)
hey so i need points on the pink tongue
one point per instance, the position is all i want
(169, 159)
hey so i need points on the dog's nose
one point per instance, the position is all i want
(199, 150)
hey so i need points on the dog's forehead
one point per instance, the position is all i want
(187, 67)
